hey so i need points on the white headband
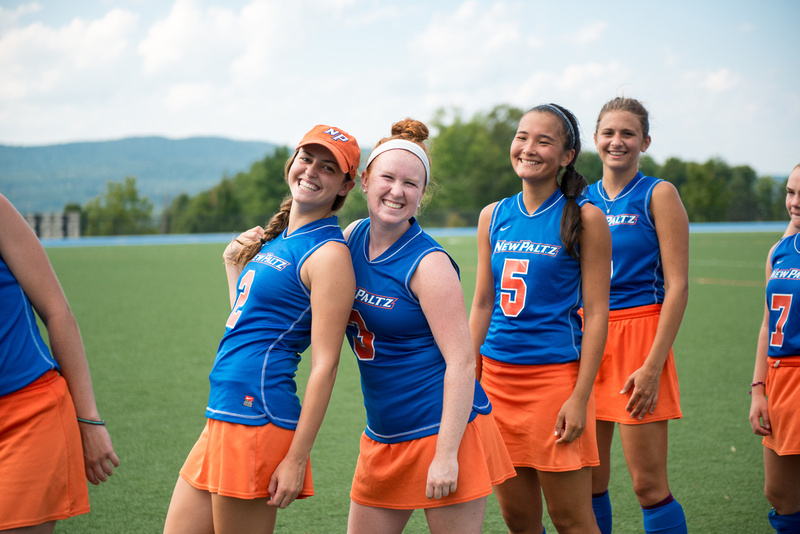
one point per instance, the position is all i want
(402, 144)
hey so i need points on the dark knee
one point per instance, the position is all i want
(784, 503)
(520, 524)
(650, 491)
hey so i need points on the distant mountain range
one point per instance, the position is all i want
(44, 178)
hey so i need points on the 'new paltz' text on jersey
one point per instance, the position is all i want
(783, 299)
(252, 381)
(24, 356)
(537, 286)
(637, 276)
(402, 368)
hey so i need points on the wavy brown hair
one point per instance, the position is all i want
(280, 220)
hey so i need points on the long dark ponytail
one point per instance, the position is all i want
(572, 183)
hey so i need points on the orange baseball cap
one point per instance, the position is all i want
(343, 145)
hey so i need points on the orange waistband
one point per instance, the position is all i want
(786, 361)
(632, 313)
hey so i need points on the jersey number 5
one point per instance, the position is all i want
(512, 287)
(782, 303)
(244, 291)
(363, 339)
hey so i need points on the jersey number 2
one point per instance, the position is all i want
(512, 287)
(782, 303)
(244, 292)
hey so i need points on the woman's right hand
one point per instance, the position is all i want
(242, 240)
(759, 415)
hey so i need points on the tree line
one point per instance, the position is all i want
(470, 169)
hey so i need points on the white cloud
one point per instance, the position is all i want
(461, 48)
(591, 33)
(9, 17)
(192, 41)
(37, 60)
(713, 82)
(183, 96)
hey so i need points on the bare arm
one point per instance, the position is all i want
(480, 315)
(232, 270)
(436, 285)
(328, 273)
(29, 263)
(672, 228)
(595, 260)
(759, 415)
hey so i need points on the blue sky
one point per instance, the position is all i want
(720, 78)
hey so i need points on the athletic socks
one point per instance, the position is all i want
(665, 517)
(785, 524)
(601, 504)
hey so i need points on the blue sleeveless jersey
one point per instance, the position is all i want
(637, 276)
(252, 381)
(783, 299)
(537, 286)
(24, 356)
(402, 368)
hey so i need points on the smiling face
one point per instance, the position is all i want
(394, 185)
(315, 178)
(619, 140)
(537, 151)
(793, 197)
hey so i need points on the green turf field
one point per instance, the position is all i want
(151, 318)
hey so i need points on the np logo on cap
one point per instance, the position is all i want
(343, 146)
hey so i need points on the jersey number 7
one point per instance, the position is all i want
(780, 302)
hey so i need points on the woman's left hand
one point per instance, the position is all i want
(286, 483)
(571, 421)
(644, 397)
(442, 477)
(99, 457)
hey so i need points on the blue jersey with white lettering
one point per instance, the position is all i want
(783, 299)
(24, 356)
(252, 381)
(537, 286)
(637, 276)
(402, 368)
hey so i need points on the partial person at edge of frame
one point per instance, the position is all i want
(775, 388)
(637, 384)
(431, 442)
(253, 454)
(540, 253)
(51, 436)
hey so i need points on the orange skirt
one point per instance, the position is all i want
(394, 475)
(783, 398)
(630, 336)
(42, 475)
(236, 460)
(526, 400)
